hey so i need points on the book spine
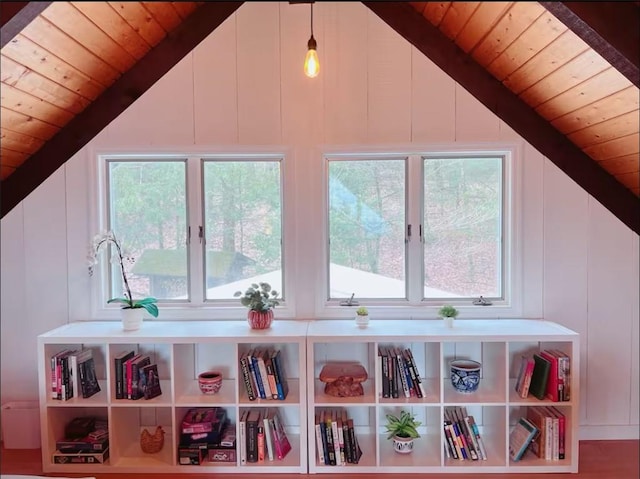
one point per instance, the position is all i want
(330, 446)
(319, 445)
(264, 378)
(400, 368)
(281, 383)
(242, 439)
(268, 435)
(73, 374)
(449, 440)
(524, 393)
(244, 367)
(345, 439)
(336, 438)
(420, 389)
(476, 432)
(271, 375)
(258, 375)
(276, 374)
(325, 444)
(261, 444)
(252, 441)
(385, 374)
(53, 391)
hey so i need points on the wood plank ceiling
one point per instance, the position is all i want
(562, 75)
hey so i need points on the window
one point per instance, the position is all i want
(197, 229)
(418, 229)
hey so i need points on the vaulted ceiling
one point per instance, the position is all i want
(563, 75)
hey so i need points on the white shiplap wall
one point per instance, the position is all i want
(243, 86)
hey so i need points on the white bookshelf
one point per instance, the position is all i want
(497, 344)
(183, 349)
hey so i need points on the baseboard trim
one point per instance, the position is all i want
(595, 433)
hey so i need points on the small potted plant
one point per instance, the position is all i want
(403, 430)
(362, 317)
(260, 299)
(448, 313)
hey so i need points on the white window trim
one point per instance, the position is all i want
(512, 208)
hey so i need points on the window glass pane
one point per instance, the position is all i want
(463, 227)
(243, 226)
(366, 228)
(147, 212)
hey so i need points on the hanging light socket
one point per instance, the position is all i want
(311, 62)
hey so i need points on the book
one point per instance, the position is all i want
(247, 377)
(281, 441)
(252, 435)
(384, 373)
(261, 443)
(420, 391)
(449, 440)
(128, 375)
(89, 384)
(336, 436)
(136, 366)
(253, 355)
(346, 449)
(554, 388)
(242, 439)
(267, 419)
(554, 437)
(356, 452)
(564, 367)
(319, 445)
(524, 361)
(150, 381)
(118, 368)
(75, 358)
(325, 444)
(83, 444)
(282, 384)
(536, 416)
(526, 382)
(476, 432)
(520, 437)
(265, 393)
(562, 425)
(539, 377)
(203, 419)
(271, 377)
(331, 451)
(80, 457)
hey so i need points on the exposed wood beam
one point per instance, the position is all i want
(16, 16)
(117, 98)
(611, 28)
(500, 100)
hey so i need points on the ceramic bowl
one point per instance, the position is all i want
(210, 382)
(465, 375)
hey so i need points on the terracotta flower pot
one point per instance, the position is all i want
(260, 319)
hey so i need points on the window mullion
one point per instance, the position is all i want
(414, 218)
(195, 246)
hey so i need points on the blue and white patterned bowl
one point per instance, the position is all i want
(465, 375)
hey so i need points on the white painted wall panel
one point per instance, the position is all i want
(215, 86)
(474, 122)
(432, 101)
(13, 307)
(610, 318)
(532, 222)
(566, 226)
(260, 98)
(258, 50)
(389, 84)
(345, 106)
(160, 116)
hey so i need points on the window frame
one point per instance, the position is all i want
(197, 308)
(415, 306)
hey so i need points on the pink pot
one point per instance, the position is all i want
(210, 382)
(260, 319)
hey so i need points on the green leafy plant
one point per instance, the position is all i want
(362, 311)
(404, 426)
(448, 311)
(258, 297)
(104, 239)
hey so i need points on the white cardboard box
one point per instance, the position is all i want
(21, 425)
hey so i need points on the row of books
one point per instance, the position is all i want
(136, 377)
(336, 440)
(264, 374)
(399, 373)
(73, 374)
(545, 375)
(262, 436)
(462, 436)
(542, 432)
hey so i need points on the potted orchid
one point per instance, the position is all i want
(129, 305)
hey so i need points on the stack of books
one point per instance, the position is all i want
(86, 441)
(462, 436)
(545, 375)
(204, 433)
(399, 373)
(73, 374)
(263, 374)
(336, 440)
(262, 436)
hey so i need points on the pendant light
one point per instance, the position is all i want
(311, 63)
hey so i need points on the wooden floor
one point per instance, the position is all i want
(598, 460)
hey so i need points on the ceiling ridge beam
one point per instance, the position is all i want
(15, 17)
(612, 29)
(463, 69)
(113, 101)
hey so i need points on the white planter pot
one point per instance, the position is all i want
(132, 318)
(362, 321)
(448, 321)
(402, 445)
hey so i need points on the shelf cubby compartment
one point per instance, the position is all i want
(491, 422)
(364, 426)
(192, 359)
(426, 448)
(99, 354)
(491, 356)
(426, 356)
(126, 425)
(160, 354)
(290, 358)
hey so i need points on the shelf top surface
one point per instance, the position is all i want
(177, 331)
(436, 330)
